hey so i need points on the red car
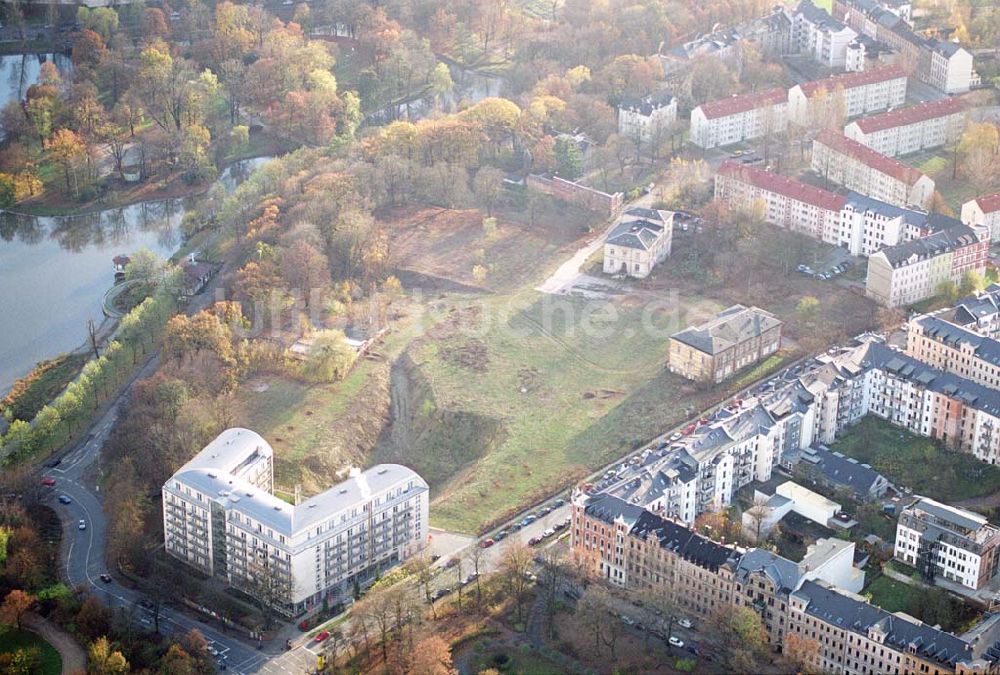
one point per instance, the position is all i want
(322, 636)
(48, 481)
(486, 543)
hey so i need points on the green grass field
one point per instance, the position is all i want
(50, 662)
(892, 595)
(917, 463)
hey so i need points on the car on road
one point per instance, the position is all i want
(486, 543)
(82, 525)
(675, 641)
(627, 620)
(685, 623)
(546, 511)
(435, 557)
(472, 577)
(559, 526)
(319, 638)
(63, 499)
(559, 502)
(534, 541)
(549, 532)
(516, 527)
(106, 578)
(54, 463)
(499, 536)
(48, 481)
(694, 649)
(676, 436)
(528, 521)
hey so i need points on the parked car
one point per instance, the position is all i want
(559, 502)
(546, 511)
(685, 623)
(322, 635)
(500, 535)
(435, 557)
(516, 527)
(528, 521)
(534, 541)
(82, 525)
(676, 642)
(48, 481)
(63, 499)
(486, 543)
(549, 532)
(54, 463)
(627, 620)
(558, 526)
(106, 578)
(676, 436)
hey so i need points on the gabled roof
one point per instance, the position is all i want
(727, 328)
(841, 470)
(637, 234)
(785, 574)
(851, 80)
(739, 103)
(870, 158)
(684, 542)
(921, 112)
(989, 203)
(789, 187)
(645, 106)
(930, 246)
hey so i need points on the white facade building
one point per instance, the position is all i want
(984, 211)
(739, 118)
(900, 132)
(641, 240)
(220, 516)
(949, 542)
(647, 120)
(820, 36)
(854, 94)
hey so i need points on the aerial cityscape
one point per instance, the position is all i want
(485, 337)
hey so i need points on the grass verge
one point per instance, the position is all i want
(49, 662)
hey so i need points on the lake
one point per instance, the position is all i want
(56, 270)
(20, 71)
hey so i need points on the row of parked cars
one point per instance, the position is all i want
(673, 640)
(528, 520)
(826, 273)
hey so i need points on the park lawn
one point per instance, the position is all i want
(34, 391)
(916, 463)
(892, 595)
(12, 640)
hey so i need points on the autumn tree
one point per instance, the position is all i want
(305, 269)
(742, 636)
(103, 659)
(488, 187)
(15, 606)
(67, 149)
(330, 356)
(432, 656)
(801, 652)
(514, 565)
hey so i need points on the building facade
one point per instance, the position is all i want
(647, 121)
(984, 211)
(739, 118)
(820, 36)
(913, 271)
(220, 517)
(899, 132)
(641, 240)
(853, 94)
(947, 542)
(857, 167)
(732, 340)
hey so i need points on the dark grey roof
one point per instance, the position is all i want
(645, 106)
(954, 336)
(684, 542)
(930, 246)
(857, 616)
(818, 16)
(960, 518)
(639, 234)
(783, 572)
(610, 508)
(727, 328)
(840, 470)
(861, 202)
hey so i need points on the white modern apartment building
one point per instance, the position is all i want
(739, 118)
(857, 167)
(639, 242)
(819, 35)
(984, 211)
(857, 93)
(221, 517)
(900, 132)
(947, 542)
(647, 120)
(912, 271)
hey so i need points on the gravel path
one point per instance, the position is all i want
(74, 659)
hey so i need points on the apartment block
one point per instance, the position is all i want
(857, 167)
(820, 36)
(899, 132)
(647, 120)
(220, 517)
(912, 271)
(947, 542)
(669, 564)
(979, 313)
(732, 340)
(866, 54)
(739, 118)
(858, 93)
(984, 211)
(641, 240)
(942, 344)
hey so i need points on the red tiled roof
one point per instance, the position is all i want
(742, 103)
(904, 116)
(989, 203)
(782, 185)
(851, 80)
(862, 153)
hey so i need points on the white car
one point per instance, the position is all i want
(676, 437)
(82, 525)
(548, 533)
(676, 642)
(685, 623)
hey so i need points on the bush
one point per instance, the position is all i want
(685, 665)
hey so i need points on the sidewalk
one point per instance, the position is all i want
(74, 659)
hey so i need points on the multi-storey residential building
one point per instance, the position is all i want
(739, 118)
(939, 343)
(220, 516)
(853, 94)
(948, 542)
(984, 211)
(730, 341)
(820, 36)
(946, 66)
(900, 132)
(840, 472)
(857, 167)
(912, 271)
(787, 203)
(647, 121)
(640, 241)
(865, 53)
(979, 313)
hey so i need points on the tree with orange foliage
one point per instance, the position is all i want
(432, 656)
(15, 606)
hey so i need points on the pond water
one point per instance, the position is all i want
(55, 270)
(20, 71)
